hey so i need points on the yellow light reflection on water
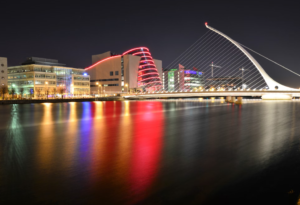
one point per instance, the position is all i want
(70, 139)
(46, 140)
(124, 146)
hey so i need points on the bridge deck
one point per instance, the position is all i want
(212, 94)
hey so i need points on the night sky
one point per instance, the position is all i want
(72, 31)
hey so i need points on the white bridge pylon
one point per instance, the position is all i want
(272, 84)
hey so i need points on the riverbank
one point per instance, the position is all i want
(29, 101)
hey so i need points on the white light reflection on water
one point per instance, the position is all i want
(132, 151)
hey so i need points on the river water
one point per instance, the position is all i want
(150, 152)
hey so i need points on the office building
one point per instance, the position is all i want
(225, 82)
(133, 71)
(39, 75)
(3, 71)
(182, 79)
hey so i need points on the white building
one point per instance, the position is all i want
(38, 75)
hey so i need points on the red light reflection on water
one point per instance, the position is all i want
(126, 149)
(147, 144)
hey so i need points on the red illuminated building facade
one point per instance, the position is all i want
(133, 71)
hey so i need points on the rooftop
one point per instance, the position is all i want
(42, 61)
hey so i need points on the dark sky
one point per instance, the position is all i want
(72, 31)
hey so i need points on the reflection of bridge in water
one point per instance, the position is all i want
(233, 58)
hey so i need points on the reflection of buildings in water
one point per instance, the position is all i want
(85, 135)
(272, 134)
(147, 144)
(45, 148)
(104, 152)
(14, 148)
(70, 139)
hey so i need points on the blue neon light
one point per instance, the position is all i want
(84, 73)
(190, 72)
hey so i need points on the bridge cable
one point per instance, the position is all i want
(269, 59)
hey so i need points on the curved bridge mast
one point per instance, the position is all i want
(272, 84)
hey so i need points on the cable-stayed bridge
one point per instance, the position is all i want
(216, 65)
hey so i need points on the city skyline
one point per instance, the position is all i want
(73, 35)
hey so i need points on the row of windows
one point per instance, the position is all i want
(82, 84)
(110, 85)
(30, 82)
(20, 76)
(62, 71)
(81, 78)
(112, 79)
(81, 90)
(42, 82)
(105, 85)
(45, 76)
(111, 73)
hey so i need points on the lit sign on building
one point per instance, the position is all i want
(190, 72)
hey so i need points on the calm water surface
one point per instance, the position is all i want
(150, 152)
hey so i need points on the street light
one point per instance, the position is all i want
(243, 69)
(98, 87)
(101, 90)
(72, 90)
(47, 89)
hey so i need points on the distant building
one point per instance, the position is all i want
(182, 79)
(134, 70)
(3, 71)
(36, 75)
(225, 82)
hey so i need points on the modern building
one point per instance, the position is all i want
(182, 79)
(3, 71)
(134, 70)
(226, 82)
(39, 75)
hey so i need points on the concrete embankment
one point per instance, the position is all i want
(29, 101)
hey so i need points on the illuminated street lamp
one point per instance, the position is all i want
(47, 89)
(101, 90)
(72, 89)
(98, 87)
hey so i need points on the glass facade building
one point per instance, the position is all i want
(182, 79)
(38, 79)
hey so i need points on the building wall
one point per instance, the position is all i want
(101, 72)
(3, 71)
(98, 57)
(158, 64)
(128, 63)
(131, 66)
(40, 78)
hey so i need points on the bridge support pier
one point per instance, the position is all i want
(239, 100)
(230, 99)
